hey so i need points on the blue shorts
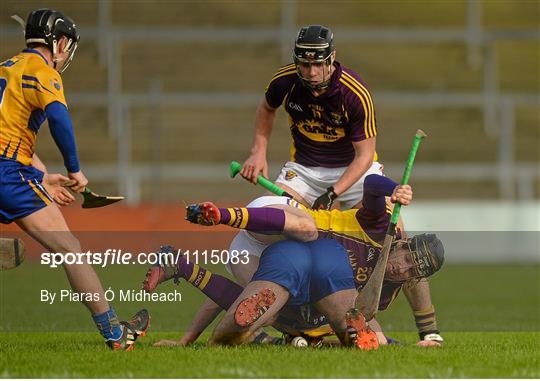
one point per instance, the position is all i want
(309, 271)
(21, 192)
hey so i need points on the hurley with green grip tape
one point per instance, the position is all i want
(368, 300)
(405, 179)
(235, 168)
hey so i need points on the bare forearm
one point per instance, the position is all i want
(363, 159)
(264, 122)
(354, 172)
(418, 295)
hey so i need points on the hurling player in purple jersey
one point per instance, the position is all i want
(360, 232)
(333, 127)
(332, 123)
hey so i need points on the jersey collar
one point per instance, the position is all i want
(28, 50)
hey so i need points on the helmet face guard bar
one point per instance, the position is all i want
(328, 60)
(71, 47)
(425, 254)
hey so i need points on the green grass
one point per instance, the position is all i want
(489, 315)
(59, 355)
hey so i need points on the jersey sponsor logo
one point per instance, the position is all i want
(296, 107)
(320, 132)
(289, 175)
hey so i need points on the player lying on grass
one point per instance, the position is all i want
(31, 91)
(339, 225)
(313, 281)
(300, 224)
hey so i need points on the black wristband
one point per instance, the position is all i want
(331, 193)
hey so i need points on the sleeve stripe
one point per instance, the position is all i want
(285, 68)
(367, 129)
(370, 114)
(278, 75)
(361, 88)
(26, 86)
(34, 79)
(365, 91)
(30, 78)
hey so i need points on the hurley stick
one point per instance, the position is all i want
(235, 168)
(368, 300)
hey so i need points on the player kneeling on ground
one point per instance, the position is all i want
(361, 231)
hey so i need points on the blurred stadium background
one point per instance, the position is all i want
(163, 95)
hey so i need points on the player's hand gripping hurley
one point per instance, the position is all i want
(93, 200)
(368, 300)
(235, 168)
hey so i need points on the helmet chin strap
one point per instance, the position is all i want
(324, 83)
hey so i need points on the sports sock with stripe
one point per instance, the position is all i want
(426, 321)
(221, 290)
(268, 220)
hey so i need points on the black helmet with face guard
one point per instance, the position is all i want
(46, 27)
(314, 44)
(418, 257)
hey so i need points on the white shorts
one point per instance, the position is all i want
(244, 240)
(311, 182)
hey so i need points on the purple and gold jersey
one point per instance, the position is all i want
(361, 232)
(323, 128)
(27, 86)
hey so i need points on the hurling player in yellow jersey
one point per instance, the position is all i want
(31, 91)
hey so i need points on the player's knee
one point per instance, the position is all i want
(305, 229)
(66, 243)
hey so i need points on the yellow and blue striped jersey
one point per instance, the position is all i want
(27, 86)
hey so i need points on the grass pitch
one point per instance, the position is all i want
(489, 316)
(60, 355)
